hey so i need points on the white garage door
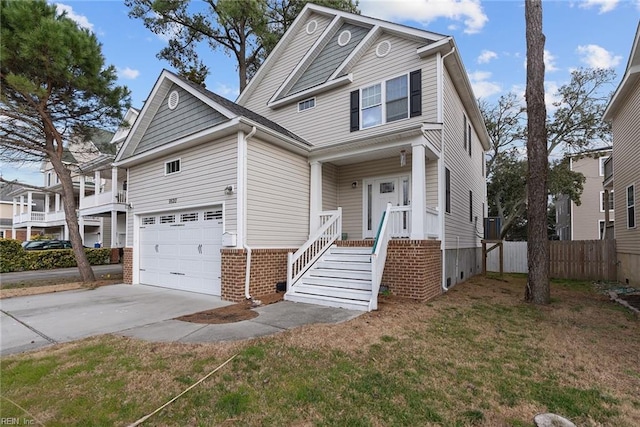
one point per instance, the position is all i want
(181, 250)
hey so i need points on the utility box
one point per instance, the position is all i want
(492, 227)
(229, 239)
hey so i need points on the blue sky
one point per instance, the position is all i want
(490, 36)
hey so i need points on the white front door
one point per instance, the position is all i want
(379, 192)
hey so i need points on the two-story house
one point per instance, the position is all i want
(622, 173)
(587, 220)
(354, 159)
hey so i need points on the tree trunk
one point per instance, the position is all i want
(68, 202)
(537, 290)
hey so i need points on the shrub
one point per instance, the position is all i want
(13, 257)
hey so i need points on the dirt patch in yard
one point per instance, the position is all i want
(232, 313)
(45, 289)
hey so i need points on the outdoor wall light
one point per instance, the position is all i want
(403, 158)
(229, 190)
(354, 184)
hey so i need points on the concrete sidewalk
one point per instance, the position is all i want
(143, 312)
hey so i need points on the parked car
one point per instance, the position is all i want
(39, 245)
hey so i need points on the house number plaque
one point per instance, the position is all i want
(173, 201)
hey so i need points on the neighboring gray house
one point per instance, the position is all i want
(622, 170)
(587, 220)
(354, 158)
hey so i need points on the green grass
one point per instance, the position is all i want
(462, 360)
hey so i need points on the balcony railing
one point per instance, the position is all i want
(101, 199)
(38, 217)
(400, 222)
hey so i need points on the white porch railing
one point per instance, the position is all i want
(300, 261)
(400, 221)
(433, 223)
(379, 255)
(38, 217)
(103, 199)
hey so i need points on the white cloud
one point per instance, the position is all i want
(469, 12)
(486, 56)
(81, 20)
(226, 91)
(128, 73)
(603, 5)
(598, 57)
(549, 62)
(482, 86)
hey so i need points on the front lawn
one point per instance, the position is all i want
(475, 356)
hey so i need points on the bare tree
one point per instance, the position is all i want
(537, 290)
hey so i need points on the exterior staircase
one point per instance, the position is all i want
(340, 278)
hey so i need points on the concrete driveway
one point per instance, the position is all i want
(39, 320)
(143, 312)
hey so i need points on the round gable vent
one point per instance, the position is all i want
(344, 37)
(383, 48)
(312, 26)
(174, 98)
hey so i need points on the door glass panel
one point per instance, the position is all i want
(369, 205)
(387, 187)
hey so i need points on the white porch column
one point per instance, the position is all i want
(57, 202)
(22, 204)
(29, 202)
(315, 201)
(114, 187)
(80, 227)
(82, 188)
(66, 232)
(47, 200)
(418, 191)
(28, 233)
(114, 229)
(15, 206)
(96, 182)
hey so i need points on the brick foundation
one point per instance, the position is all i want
(268, 267)
(127, 266)
(413, 268)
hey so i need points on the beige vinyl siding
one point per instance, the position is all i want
(585, 217)
(466, 174)
(106, 232)
(351, 199)
(282, 66)
(328, 121)
(277, 196)
(205, 170)
(626, 157)
(432, 184)
(329, 187)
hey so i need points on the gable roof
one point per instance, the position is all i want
(367, 28)
(631, 76)
(228, 114)
(432, 43)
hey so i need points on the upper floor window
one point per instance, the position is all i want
(601, 163)
(394, 99)
(631, 206)
(447, 193)
(171, 167)
(602, 202)
(306, 104)
(49, 179)
(467, 134)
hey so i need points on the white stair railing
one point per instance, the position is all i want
(299, 262)
(379, 256)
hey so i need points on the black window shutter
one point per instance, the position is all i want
(415, 93)
(355, 110)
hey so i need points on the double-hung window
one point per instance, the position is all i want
(394, 99)
(631, 206)
(371, 106)
(385, 102)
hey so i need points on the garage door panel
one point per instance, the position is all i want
(183, 256)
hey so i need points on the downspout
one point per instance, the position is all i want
(441, 177)
(247, 273)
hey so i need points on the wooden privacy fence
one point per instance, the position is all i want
(576, 259)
